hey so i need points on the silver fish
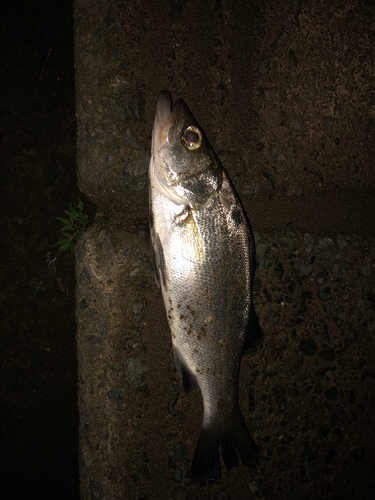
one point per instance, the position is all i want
(204, 261)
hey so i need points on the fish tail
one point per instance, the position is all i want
(232, 439)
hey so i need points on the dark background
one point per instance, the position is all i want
(38, 381)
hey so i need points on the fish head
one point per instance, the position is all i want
(183, 165)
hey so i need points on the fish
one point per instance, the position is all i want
(204, 261)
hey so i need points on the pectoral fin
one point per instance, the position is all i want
(158, 260)
(192, 243)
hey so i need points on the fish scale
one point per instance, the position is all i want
(204, 264)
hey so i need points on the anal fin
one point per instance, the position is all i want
(189, 380)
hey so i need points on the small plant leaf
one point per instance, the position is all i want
(83, 220)
(64, 221)
(76, 224)
(64, 248)
(60, 242)
(73, 215)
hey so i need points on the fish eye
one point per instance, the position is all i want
(192, 137)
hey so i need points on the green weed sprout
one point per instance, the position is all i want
(73, 227)
(76, 225)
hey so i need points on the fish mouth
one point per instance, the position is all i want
(160, 132)
(165, 114)
(167, 118)
(162, 122)
(163, 109)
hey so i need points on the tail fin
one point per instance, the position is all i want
(230, 438)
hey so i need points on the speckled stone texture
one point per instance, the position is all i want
(285, 94)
